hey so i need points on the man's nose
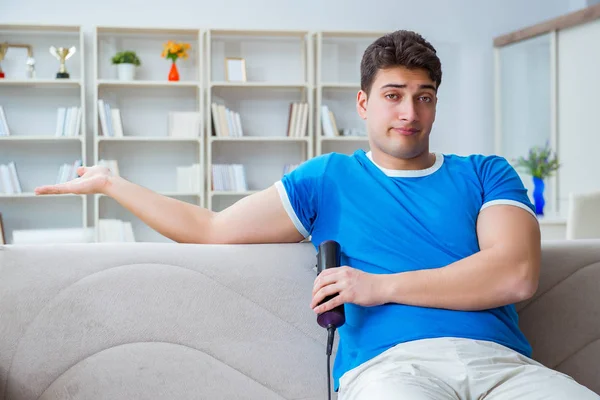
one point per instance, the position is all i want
(407, 110)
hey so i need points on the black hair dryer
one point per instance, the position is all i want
(329, 256)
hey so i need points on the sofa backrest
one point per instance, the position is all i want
(142, 320)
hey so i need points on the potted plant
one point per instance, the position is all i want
(173, 51)
(126, 61)
(540, 163)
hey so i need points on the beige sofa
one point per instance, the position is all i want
(174, 321)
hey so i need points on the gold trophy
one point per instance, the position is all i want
(62, 54)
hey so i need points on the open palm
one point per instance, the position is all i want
(91, 180)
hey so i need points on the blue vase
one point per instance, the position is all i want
(538, 195)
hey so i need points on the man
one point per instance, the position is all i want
(436, 247)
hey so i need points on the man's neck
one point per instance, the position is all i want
(422, 161)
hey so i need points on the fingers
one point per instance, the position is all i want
(52, 189)
(328, 290)
(323, 280)
(81, 170)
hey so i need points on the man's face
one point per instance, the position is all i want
(399, 112)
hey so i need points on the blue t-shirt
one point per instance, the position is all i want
(391, 221)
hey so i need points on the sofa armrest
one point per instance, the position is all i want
(562, 320)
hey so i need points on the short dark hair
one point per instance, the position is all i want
(399, 49)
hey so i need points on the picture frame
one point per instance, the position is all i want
(235, 69)
(2, 235)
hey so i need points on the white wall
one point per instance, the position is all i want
(461, 29)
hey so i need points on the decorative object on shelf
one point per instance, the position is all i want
(173, 51)
(235, 69)
(30, 62)
(540, 163)
(3, 50)
(62, 54)
(126, 61)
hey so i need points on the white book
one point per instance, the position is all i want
(14, 177)
(102, 115)
(238, 121)
(60, 121)
(230, 127)
(108, 116)
(6, 181)
(293, 119)
(304, 121)
(333, 122)
(117, 122)
(223, 120)
(326, 122)
(68, 126)
(215, 119)
(77, 130)
(4, 123)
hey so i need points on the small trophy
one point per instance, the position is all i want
(3, 50)
(62, 54)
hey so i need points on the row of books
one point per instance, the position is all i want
(226, 122)
(181, 124)
(4, 131)
(328, 122)
(111, 123)
(9, 179)
(229, 177)
(298, 120)
(188, 179)
(68, 172)
(68, 121)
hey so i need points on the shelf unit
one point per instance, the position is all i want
(278, 69)
(282, 66)
(146, 154)
(30, 102)
(337, 81)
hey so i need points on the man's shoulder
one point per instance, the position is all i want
(478, 163)
(334, 160)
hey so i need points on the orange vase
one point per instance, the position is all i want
(173, 73)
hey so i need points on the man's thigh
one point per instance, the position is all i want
(397, 387)
(533, 382)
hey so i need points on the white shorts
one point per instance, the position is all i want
(454, 368)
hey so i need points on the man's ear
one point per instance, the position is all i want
(361, 104)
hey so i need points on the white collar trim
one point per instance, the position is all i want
(401, 173)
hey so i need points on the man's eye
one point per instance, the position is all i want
(391, 96)
(425, 99)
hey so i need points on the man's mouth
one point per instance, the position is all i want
(405, 131)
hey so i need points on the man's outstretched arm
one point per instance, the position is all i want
(258, 218)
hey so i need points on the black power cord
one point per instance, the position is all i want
(330, 337)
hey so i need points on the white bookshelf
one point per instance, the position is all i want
(337, 82)
(31, 102)
(146, 154)
(278, 72)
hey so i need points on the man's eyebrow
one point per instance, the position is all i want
(403, 86)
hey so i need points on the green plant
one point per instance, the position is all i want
(126, 57)
(541, 162)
